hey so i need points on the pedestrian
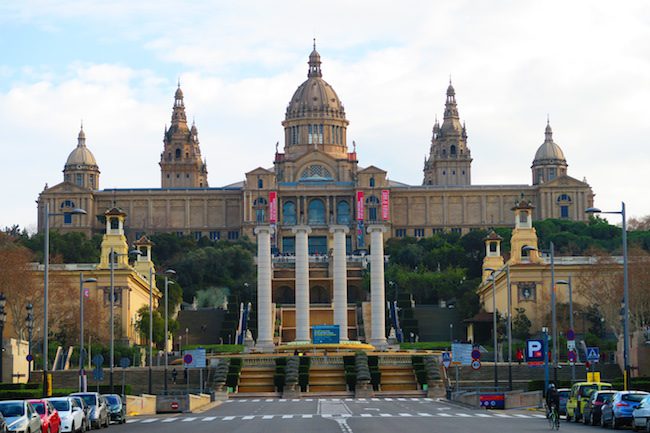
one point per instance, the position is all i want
(174, 374)
(519, 355)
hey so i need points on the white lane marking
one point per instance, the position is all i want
(249, 417)
(374, 399)
(269, 399)
(345, 415)
(362, 399)
(209, 418)
(385, 414)
(424, 414)
(228, 401)
(287, 416)
(326, 415)
(256, 400)
(464, 415)
(428, 399)
(444, 414)
(130, 421)
(309, 399)
(227, 418)
(307, 416)
(539, 416)
(519, 415)
(401, 399)
(416, 399)
(267, 417)
(147, 421)
(295, 399)
(483, 415)
(170, 419)
(283, 399)
(244, 400)
(188, 419)
(366, 415)
(502, 415)
(349, 399)
(388, 399)
(405, 414)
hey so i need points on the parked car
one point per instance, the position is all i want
(20, 416)
(592, 410)
(116, 408)
(98, 408)
(579, 396)
(564, 396)
(618, 412)
(50, 420)
(85, 408)
(3, 424)
(641, 415)
(73, 418)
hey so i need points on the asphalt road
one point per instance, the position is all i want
(401, 415)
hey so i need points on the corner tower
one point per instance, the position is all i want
(181, 165)
(449, 161)
(81, 167)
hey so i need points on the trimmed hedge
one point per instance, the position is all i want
(426, 345)
(216, 348)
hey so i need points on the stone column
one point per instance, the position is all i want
(302, 282)
(265, 320)
(377, 289)
(340, 298)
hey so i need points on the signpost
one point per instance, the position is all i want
(446, 359)
(195, 359)
(535, 352)
(572, 356)
(461, 354)
(476, 364)
(593, 354)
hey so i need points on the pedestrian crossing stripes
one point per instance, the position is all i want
(483, 415)
(352, 400)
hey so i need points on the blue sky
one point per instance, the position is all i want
(115, 64)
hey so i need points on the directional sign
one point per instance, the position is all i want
(534, 351)
(98, 360)
(476, 364)
(461, 354)
(194, 358)
(446, 359)
(593, 354)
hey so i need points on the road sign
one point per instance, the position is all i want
(572, 356)
(534, 351)
(98, 374)
(188, 358)
(571, 344)
(173, 405)
(125, 362)
(446, 359)
(194, 358)
(570, 334)
(476, 354)
(461, 354)
(98, 360)
(593, 354)
(476, 364)
(29, 358)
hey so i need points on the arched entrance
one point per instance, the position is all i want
(284, 295)
(319, 295)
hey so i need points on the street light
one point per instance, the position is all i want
(82, 372)
(568, 283)
(3, 319)
(29, 323)
(626, 299)
(168, 272)
(46, 275)
(113, 256)
(553, 309)
(494, 325)
(150, 378)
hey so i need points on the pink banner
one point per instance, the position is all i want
(385, 202)
(273, 207)
(360, 207)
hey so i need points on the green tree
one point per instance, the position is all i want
(521, 324)
(142, 326)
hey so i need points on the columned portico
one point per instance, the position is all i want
(377, 289)
(302, 283)
(340, 280)
(264, 303)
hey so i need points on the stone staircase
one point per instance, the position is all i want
(256, 380)
(327, 379)
(398, 378)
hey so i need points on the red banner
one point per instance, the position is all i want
(273, 207)
(360, 207)
(385, 202)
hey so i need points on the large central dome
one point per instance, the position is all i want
(315, 96)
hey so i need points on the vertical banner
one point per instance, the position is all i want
(273, 207)
(385, 202)
(360, 207)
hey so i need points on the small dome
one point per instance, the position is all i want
(549, 151)
(179, 93)
(81, 156)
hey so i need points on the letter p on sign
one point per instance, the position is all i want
(534, 351)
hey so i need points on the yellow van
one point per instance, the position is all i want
(579, 396)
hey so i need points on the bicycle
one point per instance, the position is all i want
(554, 419)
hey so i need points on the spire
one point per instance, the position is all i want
(178, 115)
(451, 110)
(548, 132)
(314, 63)
(81, 139)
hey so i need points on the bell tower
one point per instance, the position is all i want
(524, 234)
(114, 241)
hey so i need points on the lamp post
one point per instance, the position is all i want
(29, 323)
(3, 319)
(568, 283)
(626, 299)
(553, 308)
(46, 270)
(508, 319)
(150, 376)
(168, 272)
(494, 326)
(82, 372)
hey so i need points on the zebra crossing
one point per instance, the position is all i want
(353, 400)
(235, 418)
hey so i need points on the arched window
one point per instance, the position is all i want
(260, 183)
(289, 213)
(178, 153)
(343, 212)
(564, 197)
(316, 212)
(373, 204)
(452, 150)
(372, 182)
(260, 209)
(315, 171)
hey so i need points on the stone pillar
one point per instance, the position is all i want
(340, 298)
(265, 320)
(377, 289)
(302, 283)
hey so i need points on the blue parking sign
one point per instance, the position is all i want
(535, 351)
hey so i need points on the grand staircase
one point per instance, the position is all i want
(327, 379)
(398, 378)
(256, 380)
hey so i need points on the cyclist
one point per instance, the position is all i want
(552, 400)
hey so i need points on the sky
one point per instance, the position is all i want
(114, 64)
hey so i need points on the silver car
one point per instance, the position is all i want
(641, 415)
(20, 416)
(99, 416)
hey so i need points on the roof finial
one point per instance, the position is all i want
(548, 119)
(179, 81)
(314, 43)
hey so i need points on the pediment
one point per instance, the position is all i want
(259, 170)
(66, 188)
(564, 181)
(371, 169)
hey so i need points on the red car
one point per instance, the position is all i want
(50, 420)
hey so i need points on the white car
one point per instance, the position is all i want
(641, 415)
(20, 416)
(72, 415)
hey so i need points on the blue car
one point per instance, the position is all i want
(618, 411)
